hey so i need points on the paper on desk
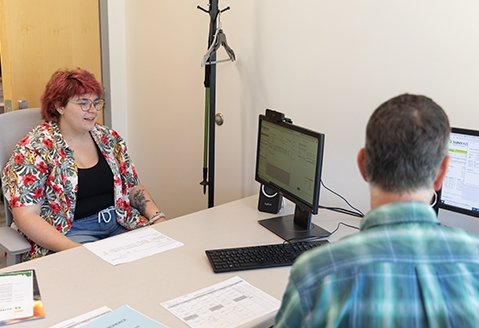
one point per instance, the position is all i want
(228, 304)
(16, 299)
(83, 319)
(20, 298)
(124, 317)
(132, 246)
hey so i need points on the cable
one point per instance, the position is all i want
(342, 210)
(356, 211)
(345, 224)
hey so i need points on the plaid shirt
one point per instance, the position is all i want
(404, 269)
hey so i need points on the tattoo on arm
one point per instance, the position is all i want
(139, 200)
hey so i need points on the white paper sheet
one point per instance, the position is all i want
(132, 246)
(83, 319)
(16, 300)
(228, 304)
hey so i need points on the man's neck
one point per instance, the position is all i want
(380, 197)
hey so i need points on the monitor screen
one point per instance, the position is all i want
(460, 189)
(289, 160)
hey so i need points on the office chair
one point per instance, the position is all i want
(14, 126)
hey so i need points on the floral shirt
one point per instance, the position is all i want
(42, 171)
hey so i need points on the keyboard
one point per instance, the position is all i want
(258, 257)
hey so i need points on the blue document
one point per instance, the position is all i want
(124, 317)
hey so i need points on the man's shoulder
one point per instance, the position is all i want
(330, 257)
(399, 245)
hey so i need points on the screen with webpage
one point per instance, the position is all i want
(287, 159)
(460, 189)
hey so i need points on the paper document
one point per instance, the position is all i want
(132, 245)
(124, 317)
(19, 297)
(83, 319)
(228, 304)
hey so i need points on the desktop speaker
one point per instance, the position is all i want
(269, 200)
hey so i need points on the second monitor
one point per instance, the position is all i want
(289, 159)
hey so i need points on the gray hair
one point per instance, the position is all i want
(406, 142)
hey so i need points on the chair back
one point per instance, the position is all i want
(13, 127)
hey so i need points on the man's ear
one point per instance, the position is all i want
(360, 159)
(442, 173)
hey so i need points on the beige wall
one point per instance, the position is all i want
(326, 64)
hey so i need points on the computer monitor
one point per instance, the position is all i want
(460, 190)
(289, 160)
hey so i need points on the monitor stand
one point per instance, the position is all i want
(286, 228)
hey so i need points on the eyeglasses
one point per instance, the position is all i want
(85, 104)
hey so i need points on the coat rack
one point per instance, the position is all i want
(216, 38)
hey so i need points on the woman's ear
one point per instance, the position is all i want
(60, 110)
(360, 160)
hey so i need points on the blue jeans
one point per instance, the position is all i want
(95, 227)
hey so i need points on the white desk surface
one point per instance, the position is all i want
(76, 281)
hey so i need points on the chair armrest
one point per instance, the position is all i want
(12, 241)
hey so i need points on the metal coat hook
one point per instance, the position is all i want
(216, 39)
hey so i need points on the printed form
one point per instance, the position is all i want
(132, 246)
(16, 301)
(231, 303)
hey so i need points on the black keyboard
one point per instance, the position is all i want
(258, 257)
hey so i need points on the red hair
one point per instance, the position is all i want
(65, 84)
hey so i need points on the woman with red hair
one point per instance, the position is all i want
(70, 180)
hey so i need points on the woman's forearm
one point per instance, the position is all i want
(40, 231)
(141, 199)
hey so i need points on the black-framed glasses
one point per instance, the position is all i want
(85, 104)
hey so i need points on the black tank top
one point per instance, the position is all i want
(95, 188)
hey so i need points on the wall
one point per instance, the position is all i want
(326, 64)
(116, 21)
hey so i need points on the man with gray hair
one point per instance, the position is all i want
(403, 269)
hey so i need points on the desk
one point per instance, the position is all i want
(76, 281)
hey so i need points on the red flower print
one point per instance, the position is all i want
(50, 180)
(42, 167)
(48, 143)
(19, 158)
(14, 201)
(55, 207)
(115, 134)
(56, 188)
(28, 179)
(119, 203)
(123, 168)
(37, 193)
(24, 141)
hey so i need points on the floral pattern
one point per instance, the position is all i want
(42, 171)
